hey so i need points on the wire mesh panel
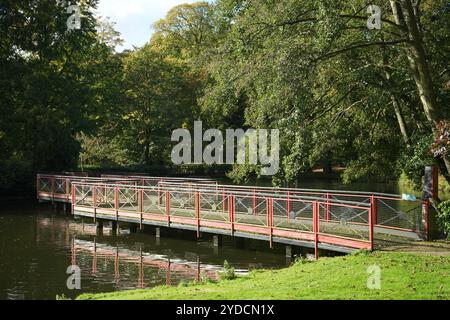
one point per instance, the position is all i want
(45, 184)
(105, 196)
(182, 203)
(292, 214)
(343, 213)
(60, 186)
(245, 214)
(347, 221)
(212, 207)
(400, 214)
(153, 201)
(150, 182)
(128, 199)
(84, 195)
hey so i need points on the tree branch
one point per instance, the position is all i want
(360, 45)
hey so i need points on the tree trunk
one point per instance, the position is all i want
(404, 14)
(400, 119)
(147, 153)
(327, 167)
(394, 100)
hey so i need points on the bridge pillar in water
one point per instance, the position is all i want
(114, 227)
(288, 254)
(158, 232)
(133, 228)
(239, 242)
(99, 227)
(217, 240)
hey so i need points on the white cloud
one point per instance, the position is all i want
(135, 18)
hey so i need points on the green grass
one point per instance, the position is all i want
(403, 276)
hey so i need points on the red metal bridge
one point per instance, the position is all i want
(341, 221)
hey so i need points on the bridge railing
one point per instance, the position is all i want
(154, 181)
(269, 215)
(59, 187)
(392, 214)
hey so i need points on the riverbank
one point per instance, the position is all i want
(403, 276)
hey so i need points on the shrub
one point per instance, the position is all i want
(444, 217)
(228, 273)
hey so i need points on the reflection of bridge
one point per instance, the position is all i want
(186, 269)
(334, 220)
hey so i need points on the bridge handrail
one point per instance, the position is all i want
(160, 178)
(241, 193)
(318, 191)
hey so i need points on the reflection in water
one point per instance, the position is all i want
(174, 269)
(37, 245)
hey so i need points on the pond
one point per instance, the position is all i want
(38, 244)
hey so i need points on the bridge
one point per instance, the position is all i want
(341, 221)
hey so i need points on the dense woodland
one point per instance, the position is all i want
(374, 102)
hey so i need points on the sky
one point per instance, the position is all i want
(134, 18)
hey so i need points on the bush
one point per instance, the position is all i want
(228, 273)
(444, 217)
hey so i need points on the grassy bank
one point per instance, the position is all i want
(403, 276)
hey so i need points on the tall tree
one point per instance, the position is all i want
(301, 63)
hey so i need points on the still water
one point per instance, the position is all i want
(38, 244)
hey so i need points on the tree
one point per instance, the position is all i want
(303, 63)
(49, 89)
(159, 100)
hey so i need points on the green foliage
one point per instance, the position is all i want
(444, 217)
(416, 157)
(228, 273)
(314, 70)
(102, 151)
(341, 95)
(158, 100)
(49, 87)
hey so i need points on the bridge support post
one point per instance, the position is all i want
(158, 232)
(217, 240)
(99, 227)
(133, 228)
(239, 242)
(288, 251)
(288, 254)
(114, 227)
